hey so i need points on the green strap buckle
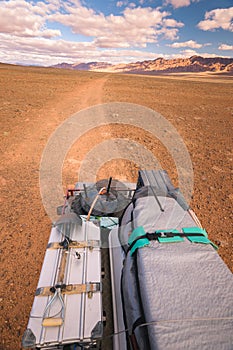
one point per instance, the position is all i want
(174, 239)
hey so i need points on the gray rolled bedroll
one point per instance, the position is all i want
(167, 287)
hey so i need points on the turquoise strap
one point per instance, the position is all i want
(139, 237)
(198, 239)
(195, 230)
(138, 232)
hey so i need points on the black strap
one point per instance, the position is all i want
(132, 337)
(140, 320)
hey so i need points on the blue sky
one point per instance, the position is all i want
(74, 31)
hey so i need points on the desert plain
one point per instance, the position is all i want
(33, 104)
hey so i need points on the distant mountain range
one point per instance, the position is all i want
(158, 66)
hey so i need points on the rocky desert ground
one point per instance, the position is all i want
(35, 101)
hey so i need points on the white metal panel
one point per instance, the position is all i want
(49, 268)
(93, 313)
(93, 266)
(82, 313)
(92, 231)
(75, 267)
(55, 235)
(78, 233)
(72, 317)
(35, 319)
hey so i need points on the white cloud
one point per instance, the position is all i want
(190, 43)
(132, 5)
(170, 33)
(169, 22)
(125, 3)
(27, 38)
(225, 47)
(179, 3)
(135, 27)
(107, 42)
(218, 18)
(43, 51)
(120, 3)
(209, 55)
(22, 18)
(189, 53)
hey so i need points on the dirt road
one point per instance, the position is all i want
(35, 101)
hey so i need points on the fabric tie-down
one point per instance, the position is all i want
(139, 238)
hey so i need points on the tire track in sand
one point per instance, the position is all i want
(89, 94)
(93, 93)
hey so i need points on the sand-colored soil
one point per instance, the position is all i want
(35, 101)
